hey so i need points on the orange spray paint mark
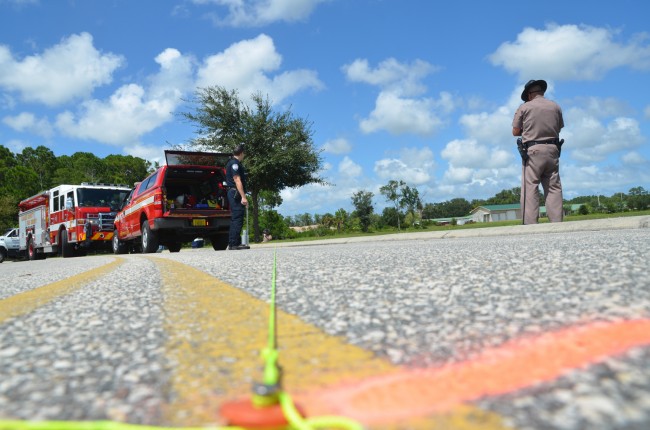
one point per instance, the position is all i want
(516, 364)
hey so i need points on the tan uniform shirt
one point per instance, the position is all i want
(539, 119)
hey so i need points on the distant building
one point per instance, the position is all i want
(493, 213)
(448, 221)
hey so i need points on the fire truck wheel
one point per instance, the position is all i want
(119, 247)
(66, 248)
(174, 247)
(3, 255)
(149, 239)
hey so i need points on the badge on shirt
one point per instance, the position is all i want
(235, 167)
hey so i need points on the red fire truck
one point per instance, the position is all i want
(69, 220)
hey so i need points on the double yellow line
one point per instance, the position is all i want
(28, 301)
(215, 334)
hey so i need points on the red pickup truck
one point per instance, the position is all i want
(182, 200)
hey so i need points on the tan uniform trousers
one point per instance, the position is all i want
(543, 167)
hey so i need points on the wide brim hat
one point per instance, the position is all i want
(542, 83)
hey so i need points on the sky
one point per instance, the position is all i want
(422, 91)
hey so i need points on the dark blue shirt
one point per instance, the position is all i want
(235, 168)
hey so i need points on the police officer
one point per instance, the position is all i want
(539, 121)
(236, 183)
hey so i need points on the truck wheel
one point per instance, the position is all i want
(3, 255)
(149, 239)
(66, 248)
(219, 242)
(31, 251)
(174, 247)
(119, 247)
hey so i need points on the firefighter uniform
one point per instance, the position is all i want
(237, 209)
(540, 121)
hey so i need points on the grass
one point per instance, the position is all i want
(569, 218)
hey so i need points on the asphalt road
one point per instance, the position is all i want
(536, 327)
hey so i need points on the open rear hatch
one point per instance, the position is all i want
(187, 158)
(195, 184)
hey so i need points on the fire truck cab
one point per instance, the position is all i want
(69, 220)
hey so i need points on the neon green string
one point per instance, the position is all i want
(272, 344)
(297, 422)
(270, 353)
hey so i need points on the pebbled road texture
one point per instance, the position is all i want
(101, 348)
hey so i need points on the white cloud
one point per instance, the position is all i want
(400, 115)
(569, 52)
(391, 75)
(398, 110)
(337, 146)
(490, 127)
(458, 175)
(27, 122)
(415, 166)
(175, 77)
(349, 169)
(261, 12)
(602, 107)
(121, 120)
(147, 152)
(245, 66)
(589, 139)
(470, 154)
(67, 71)
(596, 179)
(132, 110)
(633, 157)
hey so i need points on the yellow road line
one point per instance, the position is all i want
(215, 334)
(28, 301)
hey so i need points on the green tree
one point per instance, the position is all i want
(505, 197)
(20, 182)
(280, 152)
(453, 208)
(7, 161)
(272, 220)
(638, 198)
(362, 201)
(124, 169)
(432, 211)
(8, 212)
(304, 220)
(328, 220)
(410, 199)
(341, 218)
(393, 193)
(7, 158)
(42, 162)
(79, 167)
(390, 217)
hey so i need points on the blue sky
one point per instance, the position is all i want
(418, 90)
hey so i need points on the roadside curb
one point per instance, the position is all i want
(620, 223)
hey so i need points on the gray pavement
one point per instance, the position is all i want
(418, 300)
